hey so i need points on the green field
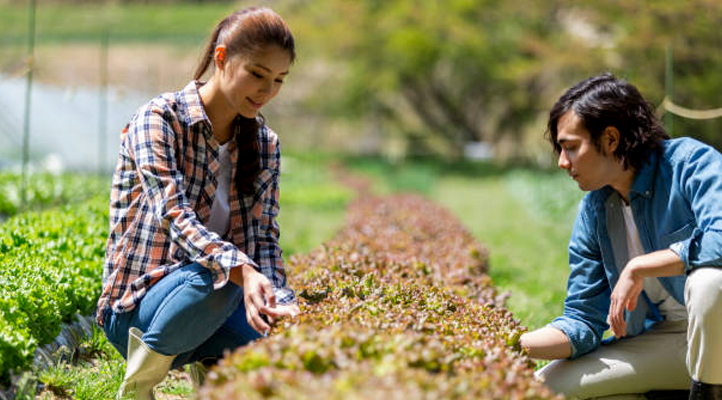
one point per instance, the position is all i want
(528, 249)
(58, 22)
(312, 203)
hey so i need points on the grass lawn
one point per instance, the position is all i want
(59, 22)
(528, 254)
(313, 205)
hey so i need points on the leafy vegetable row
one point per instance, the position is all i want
(50, 270)
(397, 306)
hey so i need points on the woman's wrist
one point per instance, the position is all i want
(247, 270)
(238, 274)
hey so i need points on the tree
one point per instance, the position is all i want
(691, 30)
(484, 70)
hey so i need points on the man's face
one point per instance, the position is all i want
(579, 156)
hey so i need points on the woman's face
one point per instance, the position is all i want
(249, 82)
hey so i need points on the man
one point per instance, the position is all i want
(645, 253)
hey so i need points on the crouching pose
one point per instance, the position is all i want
(193, 266)
(645, 253)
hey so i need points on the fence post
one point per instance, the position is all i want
(669, 89)
(103, 103)
(26, 122)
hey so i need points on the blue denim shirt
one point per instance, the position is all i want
(676, 200)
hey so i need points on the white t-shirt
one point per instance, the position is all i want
(220, 219)
(669, 308)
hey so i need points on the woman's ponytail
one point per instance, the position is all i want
(248, 165)
(210, 49)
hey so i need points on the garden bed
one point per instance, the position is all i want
(397, 306)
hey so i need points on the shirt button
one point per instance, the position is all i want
(647, 192)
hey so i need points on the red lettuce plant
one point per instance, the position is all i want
(398, 306)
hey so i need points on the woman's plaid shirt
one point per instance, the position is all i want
(161, 197)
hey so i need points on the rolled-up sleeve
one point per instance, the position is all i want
(701, 182)
(153, 140)
(587, 302)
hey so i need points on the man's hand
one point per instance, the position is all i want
(624, 296)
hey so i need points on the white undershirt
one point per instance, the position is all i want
(220, 219)
(669, 308)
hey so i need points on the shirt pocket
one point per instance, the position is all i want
(262, 185)
(678, 235)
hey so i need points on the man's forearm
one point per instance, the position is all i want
(546, 343)
(656, 264)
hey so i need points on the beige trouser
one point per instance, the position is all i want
(664, 358)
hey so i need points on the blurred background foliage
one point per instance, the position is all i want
(394, 89)
(401, 78)
(441, 74)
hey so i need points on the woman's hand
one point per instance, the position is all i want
(259, 299)
(282, 310)
(258, 296)
(624, 296)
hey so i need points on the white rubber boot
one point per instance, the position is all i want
(144, 370)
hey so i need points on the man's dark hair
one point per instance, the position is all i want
(603, 101)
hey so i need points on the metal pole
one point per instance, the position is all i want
(669, 89)
(26, 124)
(103, 113)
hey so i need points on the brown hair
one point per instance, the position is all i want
(245, 32)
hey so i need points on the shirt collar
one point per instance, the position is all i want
(644, 180)
(197, 113)
(192, 98)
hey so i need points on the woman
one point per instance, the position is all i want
(193, 265)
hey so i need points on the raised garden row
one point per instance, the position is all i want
(50, 271)
(397, 306)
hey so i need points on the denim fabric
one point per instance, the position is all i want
(676, 200)
(183, 315)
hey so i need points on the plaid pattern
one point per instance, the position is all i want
(161, 196)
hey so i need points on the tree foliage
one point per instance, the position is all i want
(645, 30)
(464, 70)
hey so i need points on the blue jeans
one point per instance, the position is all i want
(182, 315)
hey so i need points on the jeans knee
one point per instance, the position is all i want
(229, 296)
